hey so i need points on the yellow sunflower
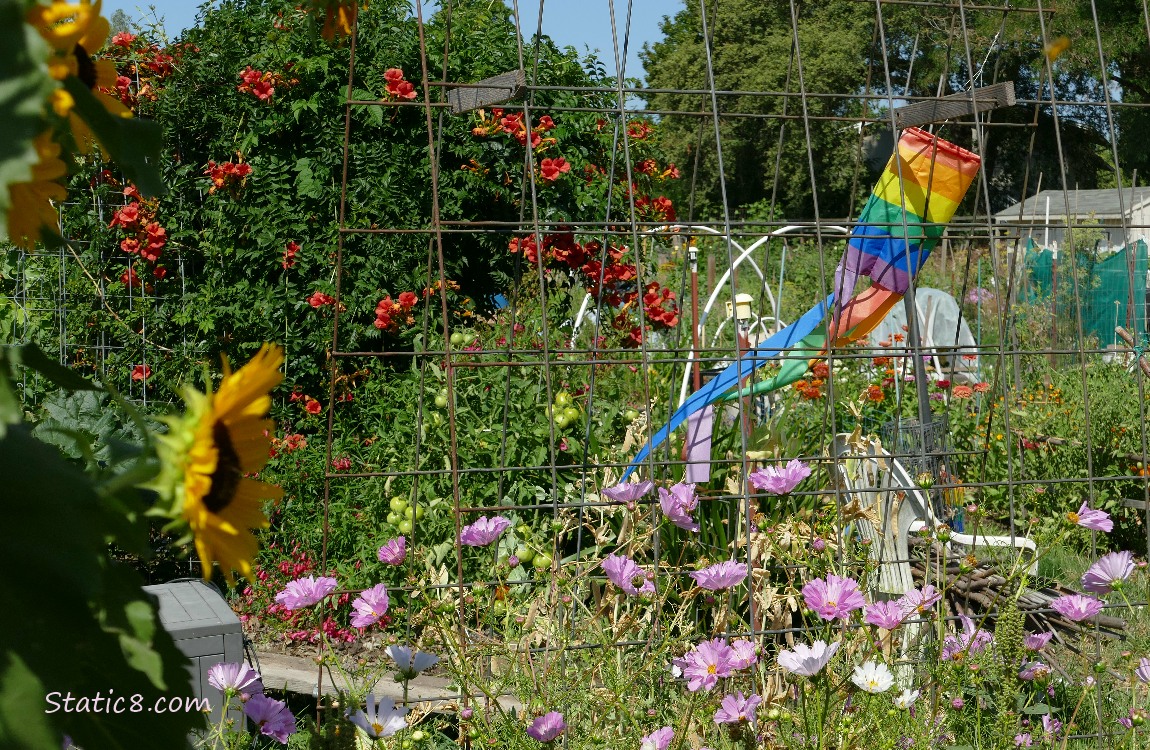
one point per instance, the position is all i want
(75, 31)
(339, 16)
(31, 206)
(221, 441)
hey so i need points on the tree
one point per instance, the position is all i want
(119, 22)
(752, 51)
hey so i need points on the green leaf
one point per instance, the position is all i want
(33, 358)
(134, 144)
(23, 721)
(1037, 708)
(24, 84)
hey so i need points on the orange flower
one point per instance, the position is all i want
(875, 394)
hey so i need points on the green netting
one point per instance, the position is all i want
(1105, 287)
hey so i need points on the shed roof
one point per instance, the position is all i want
(1101, 204)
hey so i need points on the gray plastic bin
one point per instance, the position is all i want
(205, 629)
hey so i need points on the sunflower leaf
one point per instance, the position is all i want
(24, 84)
(134, 144)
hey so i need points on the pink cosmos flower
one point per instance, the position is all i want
(272, 717)
(1076, 607)
(743, 654)
(628, 492)
(484, 531)
(1087, 518)
(917, 601)
(369, 606)
(1032, 671)
(886, 615)
(304, 592)
(722, 575)
(735, 709)
(660, 739)
(808, 661)
(1050, 726)
(547, 727)
(780, 481)
(1036, 641)
(706, 663)
(678, 503)
(833, 598)
(394, 552)
(628, 576)
(1108, 573)
(971, 641)
(238, 678)
(1023, 740)
(1142, 671)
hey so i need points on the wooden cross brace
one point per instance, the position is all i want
(955, 105)
(1139, 354)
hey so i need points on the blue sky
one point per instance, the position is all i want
(579, 23)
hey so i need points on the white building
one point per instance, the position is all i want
(1044, 217)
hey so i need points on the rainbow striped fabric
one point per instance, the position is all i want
(898, 228)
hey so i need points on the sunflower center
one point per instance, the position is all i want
(86, 69)
(226, 477)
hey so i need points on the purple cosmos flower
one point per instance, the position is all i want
(547, 727)
(1142, 671)
(722, 575)
(808, 661)
(743, 654)
(736, 708)
(886, 615)
(381, 720)
(272, 717)
(628, 492)
(833, 598)
(1032, 671)
(660, 739)
(706, 663)
(780, 481)
(483, 532)
(1036, 641)
(304, 592)
(1023, 740)
(369, 606)
(238, 678)
(978, 294)
(1050, 725)
(971, 641)
(394, 552)
(409, 665)
(917, 601)
(1096, 520)
(677, 504)
(1076, 607)
(1108, 573)
(628, 576)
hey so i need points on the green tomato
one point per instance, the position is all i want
(394, 518)
(561, 421)
(405, 526)
(415, 511)
(436, 418)
(571, 413)
(406, 745)
(499, 608)
(523, 529)
(542, 561)
(456, 338)
(398, 504)
(562, 399)
(630, 415)
(525, 555)
(440, 401)
(419, 735)
(473, 734)
(469, 337)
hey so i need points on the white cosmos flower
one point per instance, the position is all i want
(873, 677)
(383, 720)
(408, 665)
(906, 699)
(807, 660)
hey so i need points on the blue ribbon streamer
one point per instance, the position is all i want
(733, 374)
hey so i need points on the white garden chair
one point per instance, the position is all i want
(874, 480)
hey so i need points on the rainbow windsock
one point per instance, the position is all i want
(916, 195)
(918, 192)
